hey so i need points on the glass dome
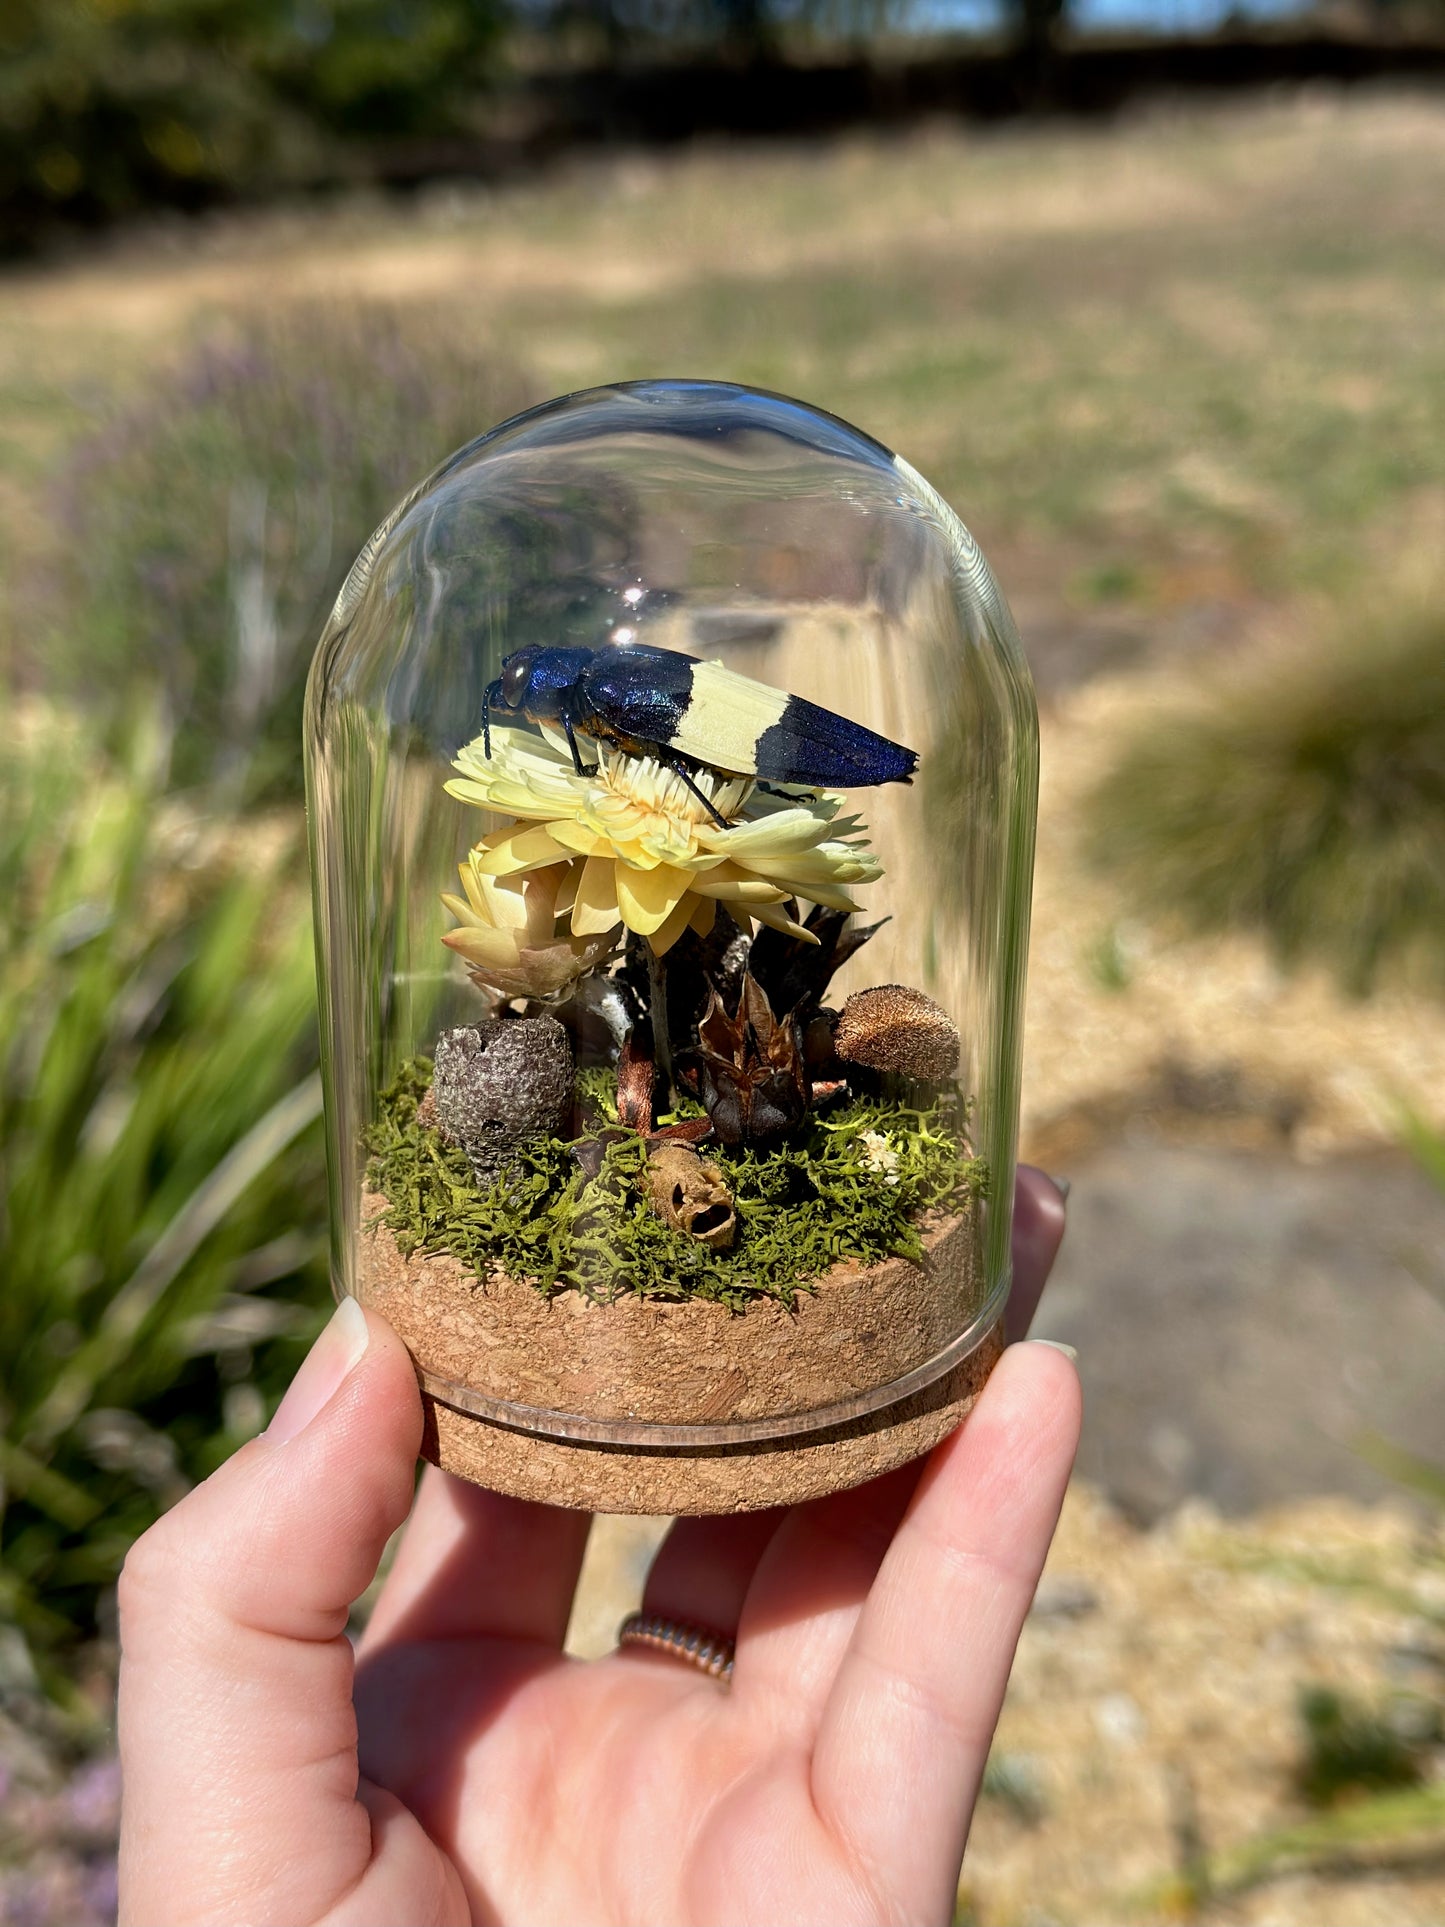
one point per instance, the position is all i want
(671, 766)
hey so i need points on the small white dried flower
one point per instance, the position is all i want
(879, 1155)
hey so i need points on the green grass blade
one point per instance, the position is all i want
(197, 1218)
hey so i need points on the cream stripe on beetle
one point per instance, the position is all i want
(691, 715)
(726, 716)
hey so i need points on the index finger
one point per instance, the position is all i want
(474, 1564)
(920, 1687)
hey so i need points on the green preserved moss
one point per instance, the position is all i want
(831, 1193)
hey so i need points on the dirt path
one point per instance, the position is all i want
(1246, 1325)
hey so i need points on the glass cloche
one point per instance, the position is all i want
(671, 766)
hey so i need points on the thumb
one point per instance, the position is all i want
(237, 1735)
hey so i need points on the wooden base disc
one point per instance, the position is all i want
(711, 1479)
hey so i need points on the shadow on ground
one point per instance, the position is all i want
(1245, 1323)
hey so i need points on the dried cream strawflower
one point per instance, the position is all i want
(653, 858)
(508, 931)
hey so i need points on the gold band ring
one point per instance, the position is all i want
(709, 1652)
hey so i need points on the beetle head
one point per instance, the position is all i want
(511, 685)
(536, 679)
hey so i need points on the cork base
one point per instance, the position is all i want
(710, 1479)
(635, 1360)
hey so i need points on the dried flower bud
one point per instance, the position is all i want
(690, 1194)
(515, 933)
(893, 1028)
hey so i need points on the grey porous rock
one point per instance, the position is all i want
(498, 1084)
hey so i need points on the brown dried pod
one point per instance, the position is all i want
(893, 1028)
(748, 1069)
(686, 1130)
(691, 1194)
(636, 1079)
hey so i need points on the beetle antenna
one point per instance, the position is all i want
(491, 694)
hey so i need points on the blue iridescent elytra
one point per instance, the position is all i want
(691, 715)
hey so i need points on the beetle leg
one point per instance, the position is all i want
(679, 768)
(582, 769)
(789, 795)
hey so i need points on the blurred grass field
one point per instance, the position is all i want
(1198, 349)
(1185, 379)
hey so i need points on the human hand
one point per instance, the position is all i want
(500, 1781)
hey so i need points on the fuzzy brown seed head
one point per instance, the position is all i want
(691, 1194)
(893, 1028)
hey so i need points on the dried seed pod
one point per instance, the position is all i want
(893, 1028)
(748, 1069)
(636, 1079)
(499, 1083)
(690, 1194)
(686, 1130)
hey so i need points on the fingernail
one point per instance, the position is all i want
(1062, 1186)
(1056, 1345)
(323, 1371)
